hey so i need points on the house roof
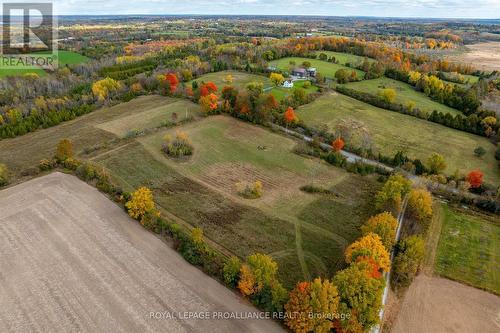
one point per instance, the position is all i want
(299, 70)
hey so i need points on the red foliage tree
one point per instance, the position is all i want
(208, 88)
(173, 81)
(338, 144)
(290, 116)
(475, 178)
(271, 102)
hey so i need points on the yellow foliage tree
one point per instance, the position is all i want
(247, 281)
(388, 95)
(277, 79)
(103, 88)
(370, 246)
(384, 225)
(420, 203)
(64, 150)
(141, 204)
(392, 193)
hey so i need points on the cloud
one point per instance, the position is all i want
(400, 8)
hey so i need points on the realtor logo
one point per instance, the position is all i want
(28, 36)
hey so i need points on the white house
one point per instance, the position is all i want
(288, 84)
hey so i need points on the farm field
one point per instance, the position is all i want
(170, 111)
(72, 260)
(344, 58)
(434, 304)
(404, 94)
(325, 68)
(65, 58)
(84, 132)
(302, 231)
(482, 55)
(469, 249)
(240, 79)
(392, 132)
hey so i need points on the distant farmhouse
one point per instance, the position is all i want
(288, 84)
(303, 73)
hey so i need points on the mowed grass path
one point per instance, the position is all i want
(469, 249)
(392, 132)
(404, 94)
(240, 79)
(327, 69)
(305, 233)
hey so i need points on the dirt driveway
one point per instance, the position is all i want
(73, 261)
(434, 304)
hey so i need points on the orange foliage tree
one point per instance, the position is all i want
(208, 88)
(173, 81)
(209, 103)
(338, 144)
(290, 116)
(475, 178)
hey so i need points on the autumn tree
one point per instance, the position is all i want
(408, 260)
(105, 87)
(209, 103)
(312, 307)
(64, 150)
(371, 246)
(420, 204)
(384, 225)
(290, 116)
(141, 204)
(436, 163)
(392, 193)
(360, 295)
(277, 79)
(4, 175)
(173, 81)
(246, 285)
(208, 88)
(388, 95)
(475, 178)
(298, 308)
(338, 144)
(231, 271)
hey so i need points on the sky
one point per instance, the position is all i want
(383, 8)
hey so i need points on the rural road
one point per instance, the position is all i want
(73, 261)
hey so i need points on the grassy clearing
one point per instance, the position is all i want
(281, 93)
(325, 68)
(65, 58)
(305, 233)
(392, 132)
(171, 110)
(344, 58)
(404, 94)
(240, 79)
(469, 249)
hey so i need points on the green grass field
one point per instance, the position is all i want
(64, 58)
(240, 79)
(305, 233)
(344, 58)
(325, 68)
(281, 93)
(469, 249)
(392, 132)
(404, 94)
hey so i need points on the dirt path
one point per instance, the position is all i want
(71, 260)
(434, 304)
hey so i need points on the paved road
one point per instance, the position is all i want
(73, 261)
